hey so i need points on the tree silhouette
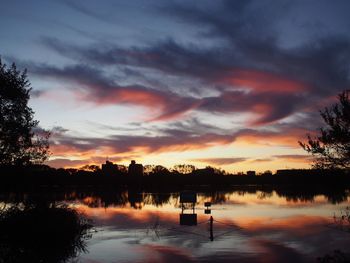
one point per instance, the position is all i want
(90, 168)
(331, 148)
(160, 170)
(184, 168)
(22, 142)
(39, 233)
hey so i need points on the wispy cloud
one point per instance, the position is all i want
(220, 161)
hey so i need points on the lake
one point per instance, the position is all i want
(243, 224)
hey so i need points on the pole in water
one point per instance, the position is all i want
(211, 228)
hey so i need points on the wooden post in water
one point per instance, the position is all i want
(211, 228)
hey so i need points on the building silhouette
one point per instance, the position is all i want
(109, 168)
(135, 169)
(204, 171)
(251, 173)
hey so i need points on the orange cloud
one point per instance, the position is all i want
(260, 81)
(283, 138)
(165, 105)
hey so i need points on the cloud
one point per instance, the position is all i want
(232, 60)
(175, 137)
(239, 63)
(256, 76)
(83, 9)
(267, 107)
(58, 130)
(173, 140)
(294, 158)
(261, 160)
(90, 84)
(65, 162)
(260, 81)
(319, 61)
(220, 161)
(36, 93)
(147, 144)
(77, 163)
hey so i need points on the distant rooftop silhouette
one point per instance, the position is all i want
(135, 169)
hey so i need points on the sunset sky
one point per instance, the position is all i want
(231, 84)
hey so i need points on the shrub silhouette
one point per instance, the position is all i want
(42, 234)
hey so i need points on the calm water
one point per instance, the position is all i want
(248, 226)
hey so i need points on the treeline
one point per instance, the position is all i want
(178, 169)
(41, 175)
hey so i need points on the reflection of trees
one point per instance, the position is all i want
(264, 194)
(157, 199)
(342, 220)
(300, 197)
(42, 234)
(308, 194)
(337, 197)
(102, 197)
(216, 197)
(135, 199)
(105, 199)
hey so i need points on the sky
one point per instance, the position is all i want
(230, 84)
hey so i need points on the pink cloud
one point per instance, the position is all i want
(260, 81)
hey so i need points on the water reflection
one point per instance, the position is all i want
(246, 227)
(138, 199)
(245, 224)
(188, 201)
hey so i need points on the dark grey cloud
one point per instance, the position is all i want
(36, 93)
(178, 141)
(64, 162)
(228, 19)
(321, 64)
(192, 125)
(250, 30)
(271, 106)
(58, 130)
(166, 56)
(84, 9)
